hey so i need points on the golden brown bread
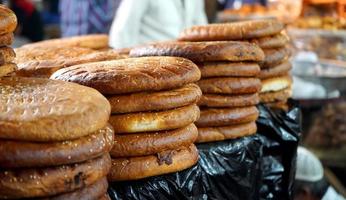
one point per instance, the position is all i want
(92, 41)
(272, 41)
(280, 105)
(92, 192)
(280, 95)
(41, 182)
(274, 57)
(276, 83)
(218, 100)
(232, 31)
(230, 69)
(132, 74)
(203, 51)
(17, 154)
(47, 110)
(6, 39)
(211, 134)
(143, 144)
(8, 20)
(278, 70)
(7, 55)
(155, 101)
(43, 62)
(226, 116)
(154, 121)
(229, 85)
(153, 165)
(7, 69)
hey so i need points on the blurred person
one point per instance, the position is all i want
(144, 21)
(236, 4)
(81, 17)
(30, 23)
(310, 183)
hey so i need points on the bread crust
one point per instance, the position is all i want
(276, 83)
(232, 31)
(143, 144)
(229, 85)
(203, 51)
(146, 166)
(274, 57)
(224, 101)
(7, 69)
(272, 41)
(41, 182)
(134, 74)
(155, 101)
(7, 55)
(17, 154)
(44, 110)
(276, 96)
(6, 39)
(211, 134)
(154, 121)
(211, 117)
(8, 20)
(278, 70)
(228, 69)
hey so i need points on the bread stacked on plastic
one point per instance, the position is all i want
(229, 84)
(274, 75)
(8, 23)
(54, 140)
(153, 102)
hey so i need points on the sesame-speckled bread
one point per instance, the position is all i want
(278, 70)
(8, 20)
(132, 74)
(92, 41)
(226, 116)
(44, 61)
(41, 182)
(154, 121)
(155, 101)
(6, 39)
(203, 51)
(276, 83)
(141, 144)
(211, 134)
(47, 110)
(7, 55)
(7, 69)
(274, 57)
(170, 161)
(229, 85)
(18, 154)
(273, 41)
(276, 96)
(228, 69)
(224, 101)
(232, 31)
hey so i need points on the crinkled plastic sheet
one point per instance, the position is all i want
(254, 167)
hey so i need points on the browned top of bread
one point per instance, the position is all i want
(93, 41)
(44, 61)
(47, 110)
(232, 31)
(7, 55)
(132, 74)
(203, 51)
(6, 39)
(8, 20)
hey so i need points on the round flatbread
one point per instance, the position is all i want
(6, 39)
(154, 121)
(226, 116)
(224, 101)
(153, 165)
(229, 85)
(212, 134)
(281, 95)
(7, 69)
(276, 83)
(47, 110)
(134, 74)
(155, 101)
(232, 31)
(7, 55)
(42, 182)
(273, 41)
(8, 20)
(278, 70)
(17, 154)
(274, 57)
(203, 51)
(228, 69)
(143, 144)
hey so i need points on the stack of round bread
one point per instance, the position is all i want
(274, 75)
(8, 23)
(153, 102)
(229, 84)
(54, 140)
